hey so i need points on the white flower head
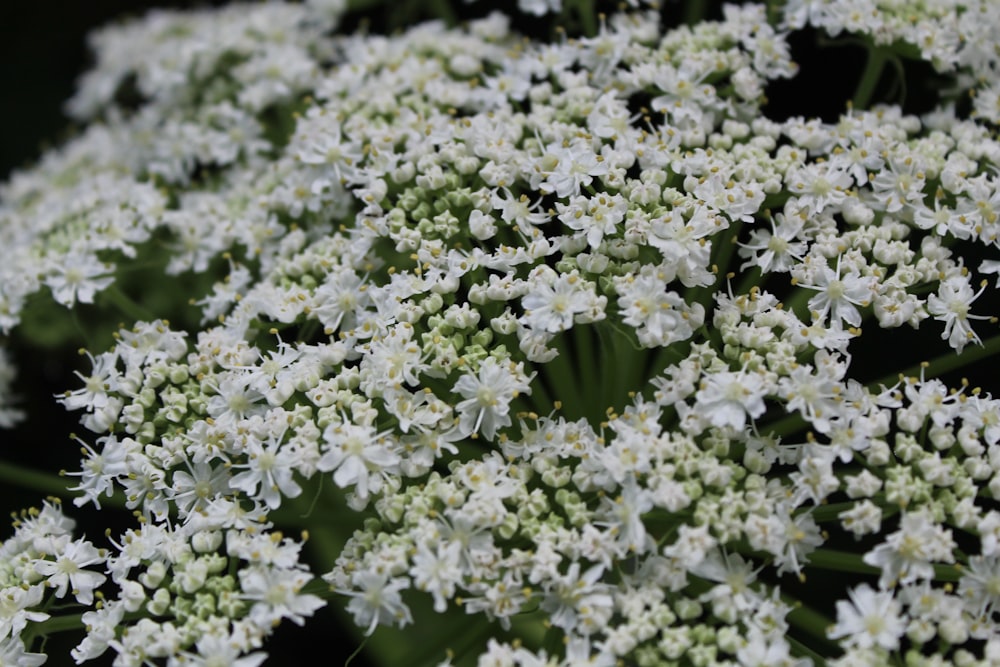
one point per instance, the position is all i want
(487, 396)
(871, 619)
(726, 399)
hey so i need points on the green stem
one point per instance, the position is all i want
(664, 357)
(560, 372)
(52, 625)
(590, 370)
(127, 305)
(840, 561)
(617, 364)
(843, 561)
(869, 79)
(584, 10)
(791, 424)
(327, 537)
(300, 513)
(946, 363)
(26, 478)
(74, 315)
(753, 278)
(810, 622)
(353, 655)
(328, 531)
(797, 303)
(725, 247)
(832, 511)
(798, 648)
(472, 635)
(774, 8)
(539, 401)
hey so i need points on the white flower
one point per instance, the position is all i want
(566, 168)
(872, 618)
(78, 277)
(685, 244)
(216, 650)
(624, 516)
(359, 457)
(816, 395)
(67, 571)
(437, 571)
(426, 218)
(951, 305)
(907, 554)
(574, 599)
(818, 187)
(194, 490)
(12, 652)
(659, 316)
(518, 211)
(277, 594)
(899, 183)
(839, 295)
(376, 600)
(980, 585)
(487, 395)
(103, 379)
(733, 593)
(553, 301)
(865, 518)
(101, 627)
(390, 360)
(594, 217)
(270, 467)
(726, 399)
(762, 650)
(776, 250)
(15, 608)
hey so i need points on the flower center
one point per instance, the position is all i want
(777, 245)
(874, 624)
(486, 397)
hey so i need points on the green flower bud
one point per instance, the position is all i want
(203, 605)
(160, 602)
(508, 528)
(687, 609)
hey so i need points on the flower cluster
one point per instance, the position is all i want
(208, 593)
(210, 590)
(41, 561)
(574, 325)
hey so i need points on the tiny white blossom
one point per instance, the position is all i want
(871, 618)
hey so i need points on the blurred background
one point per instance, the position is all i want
(43, 50)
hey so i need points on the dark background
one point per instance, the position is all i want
(43, 50)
